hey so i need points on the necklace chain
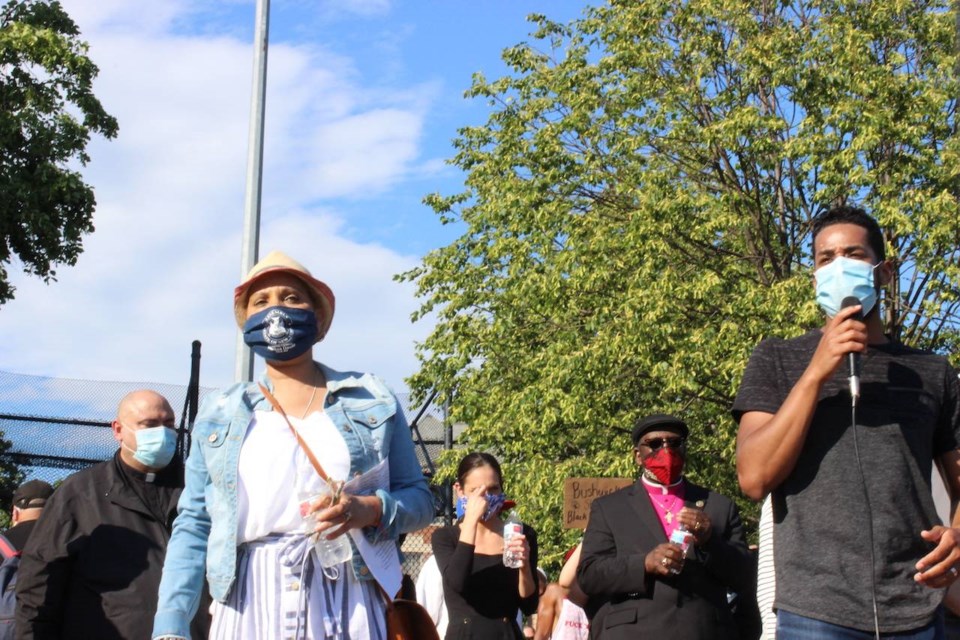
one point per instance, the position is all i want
(668, 512)
(312, 395)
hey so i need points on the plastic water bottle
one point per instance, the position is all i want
(333, 552)
(511, 529)
(682, 537)
(330, 553)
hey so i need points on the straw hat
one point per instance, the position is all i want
(279, 262)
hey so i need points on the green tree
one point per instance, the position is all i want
(47, 114)
(636, 219)
(10, 478)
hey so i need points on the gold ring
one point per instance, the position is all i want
(664, 561)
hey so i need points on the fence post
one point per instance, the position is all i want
(190, 403)
(447, 446)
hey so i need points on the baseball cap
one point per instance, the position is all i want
(32, 494)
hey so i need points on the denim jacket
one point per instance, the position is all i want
(368, 417)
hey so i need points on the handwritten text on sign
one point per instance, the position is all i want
(578, 493)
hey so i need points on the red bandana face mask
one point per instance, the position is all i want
(664, 464)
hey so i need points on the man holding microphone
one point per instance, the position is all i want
(847, 455)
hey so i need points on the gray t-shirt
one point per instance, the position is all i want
(908, 415)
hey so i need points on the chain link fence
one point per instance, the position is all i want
(57, 426)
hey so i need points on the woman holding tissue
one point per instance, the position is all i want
(481, 592)
(256, 503)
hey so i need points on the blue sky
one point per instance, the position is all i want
(364, 99)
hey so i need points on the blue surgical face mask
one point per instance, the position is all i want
(494, 504)
(155, 446)
(281, 333)
(846, 277)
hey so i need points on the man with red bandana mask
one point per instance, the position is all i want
(634, 568)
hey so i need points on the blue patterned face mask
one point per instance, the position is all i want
(494, 505)
(281, 333)
(845, 277)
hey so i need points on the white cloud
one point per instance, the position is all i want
(159, 270)
(124, 15)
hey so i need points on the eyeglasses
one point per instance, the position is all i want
(672, 443)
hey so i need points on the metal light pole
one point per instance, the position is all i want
(251, 204)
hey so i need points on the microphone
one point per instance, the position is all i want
(853, 358)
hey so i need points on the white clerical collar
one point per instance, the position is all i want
(664, 489)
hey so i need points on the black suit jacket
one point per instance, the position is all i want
(625, 602)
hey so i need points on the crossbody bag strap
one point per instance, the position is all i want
(303, 445)
(383, 592)
(316, 464)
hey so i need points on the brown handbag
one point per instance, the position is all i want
(406, 619)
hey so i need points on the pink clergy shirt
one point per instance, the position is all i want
(666, 499)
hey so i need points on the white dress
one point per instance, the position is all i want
(280, 591)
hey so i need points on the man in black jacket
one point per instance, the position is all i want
(660, 556)
(92, 567)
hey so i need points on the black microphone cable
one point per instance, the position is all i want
(853, 360)
(866, 501)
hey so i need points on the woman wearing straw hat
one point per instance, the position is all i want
(258, 449)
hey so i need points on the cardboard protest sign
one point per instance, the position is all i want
(579, 493)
